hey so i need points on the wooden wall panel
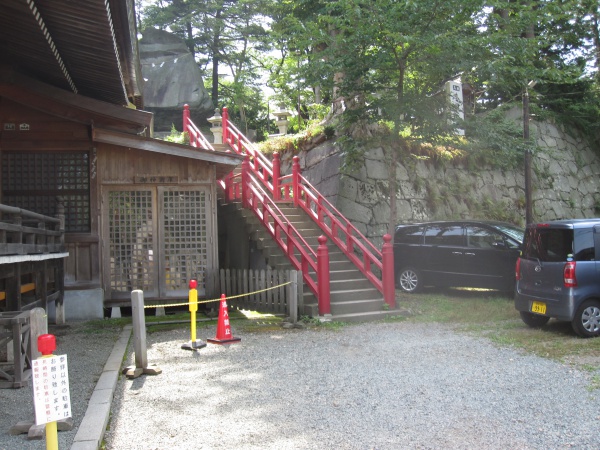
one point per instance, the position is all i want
(41, 131)
(81, 267)
(117, 165)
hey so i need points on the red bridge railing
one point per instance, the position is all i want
(376, 265)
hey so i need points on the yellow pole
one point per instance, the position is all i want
(51, 436)
(193, 308)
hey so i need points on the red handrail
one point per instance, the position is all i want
(197, 139)
(376, 265)
(288, 238)
(261, 166)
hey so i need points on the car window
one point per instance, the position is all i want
(548, 244)
(478, 237)
(514, 232)
(409, 235)
(448, 235)
(584, 245)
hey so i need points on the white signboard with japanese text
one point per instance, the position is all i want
(51, 397)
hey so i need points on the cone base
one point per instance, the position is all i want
(224, 341)
(193, 345)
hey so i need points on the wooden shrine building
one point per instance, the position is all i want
(139, 213)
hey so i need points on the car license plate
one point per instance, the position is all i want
(538, 307)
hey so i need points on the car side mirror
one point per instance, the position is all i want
(499, 244)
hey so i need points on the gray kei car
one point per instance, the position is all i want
(558, 275)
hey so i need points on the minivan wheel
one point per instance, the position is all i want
(534, 320)
(409, 280)
(586, 322)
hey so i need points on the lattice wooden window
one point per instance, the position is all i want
(131, 241)
(33, 181)
(185, 234)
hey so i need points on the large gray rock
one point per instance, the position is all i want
(172, 79)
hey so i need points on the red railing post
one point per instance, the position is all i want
(276, 174)
(296, 179)
(225, 125)
(186, 117)
(389, 287)
(245, 169)
(323, 277)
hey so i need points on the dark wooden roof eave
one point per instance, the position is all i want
(225, 162)
(43, 97)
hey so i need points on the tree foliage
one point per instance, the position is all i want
(382, 65)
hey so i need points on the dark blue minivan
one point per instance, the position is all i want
(463, 253)
(558, 275)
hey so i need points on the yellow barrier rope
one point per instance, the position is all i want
(218, 299)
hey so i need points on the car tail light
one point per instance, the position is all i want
(569, 275)
(518, 269)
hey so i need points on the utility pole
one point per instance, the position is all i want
(528, 203)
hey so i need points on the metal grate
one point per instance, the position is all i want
(131, 241)
(33, 181)
(185, 234)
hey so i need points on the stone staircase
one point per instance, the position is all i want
(353, 297)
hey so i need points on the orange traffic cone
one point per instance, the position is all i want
(224, 335)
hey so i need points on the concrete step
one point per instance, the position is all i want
(355, 294)
(369, 316)
(356, 306)
(350, 283)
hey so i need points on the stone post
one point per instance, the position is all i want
(216, 128)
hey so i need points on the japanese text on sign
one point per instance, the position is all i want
(51, 397)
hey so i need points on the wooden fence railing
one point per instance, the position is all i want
(32, 252)
(269, 291)
(24, 232)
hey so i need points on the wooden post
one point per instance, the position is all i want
(138, 320)
(293, 296)
(323, 277)
(387, 277)
(38, 325)
(13, 290)
(59, 272)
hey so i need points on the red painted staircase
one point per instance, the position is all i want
(346, 275)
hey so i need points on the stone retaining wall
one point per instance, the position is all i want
(566, 179)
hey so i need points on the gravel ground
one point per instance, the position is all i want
(368, 386)
(87, 353)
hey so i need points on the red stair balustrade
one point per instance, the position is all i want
(276, 177)
(389, 287)
(196, 137)
(376, 265)
(324, 297)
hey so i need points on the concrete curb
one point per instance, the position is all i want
(91, 431)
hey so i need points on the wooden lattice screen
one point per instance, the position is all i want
(159, 239)
(184, 231)
(131, 241)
